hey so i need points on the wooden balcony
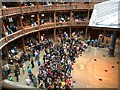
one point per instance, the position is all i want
(66, 7)
(62, 24)
(2, 42)
(11, 11)
(14, 36)
(29, 29)
(83, 6)
(47, 26)
(79, 23)
(46, 8)
(29, 9)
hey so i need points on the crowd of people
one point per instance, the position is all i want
(55, 72)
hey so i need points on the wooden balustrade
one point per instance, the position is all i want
(62, 24)
(66, 7)
(15, 35)
(79, 23)
(29, 9)
(2, 42)
(47, 26)
(11, 11)
(47, 8)
(82, 6)
(30, 29)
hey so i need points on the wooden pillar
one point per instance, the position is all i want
(86, 32)
(54, 34)
(38, 19)
(103, 35)
(55, 22)
(39, 36)
(7, 53)
(70, 32)
(4, 31)
(112, 46)
(70, 23)
(23, 43)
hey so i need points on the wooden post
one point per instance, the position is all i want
(38, 19)
(39, 36)
(103, 35)
(70, 32)
(55, 22)
(23, 43)
(4, 31)
(54, 34)
(86, 32)
(70, 23)
(7, 53)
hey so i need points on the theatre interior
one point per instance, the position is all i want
(60, 44)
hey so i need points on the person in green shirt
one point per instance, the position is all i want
(10, 78)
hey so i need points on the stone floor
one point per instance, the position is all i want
(94, 69)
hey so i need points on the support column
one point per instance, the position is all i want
(86, 32)
(103, 36)
(23, 43)
(70, 32)
(7, 53)
(70, 22)
(112, 46)
(55, 23)
(54, 34)
(39, 36)
(38, 19)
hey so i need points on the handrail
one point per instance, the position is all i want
(79, 23)
(15, 35)
(2, 42)
(30, 30)
(62, 24)
(11, 11)
(29, 9)
(46, 7)
(47, 26)
(66, 6)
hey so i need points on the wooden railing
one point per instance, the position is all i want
(66, 7)
(79, 23)
(47, 26)
(82, 6)
(15, 35)
(2, 42)
(30, 29)
(29, 9)
(62, 24)
(11, 11)
(46, 7)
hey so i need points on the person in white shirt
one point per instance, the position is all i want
(27, 80)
